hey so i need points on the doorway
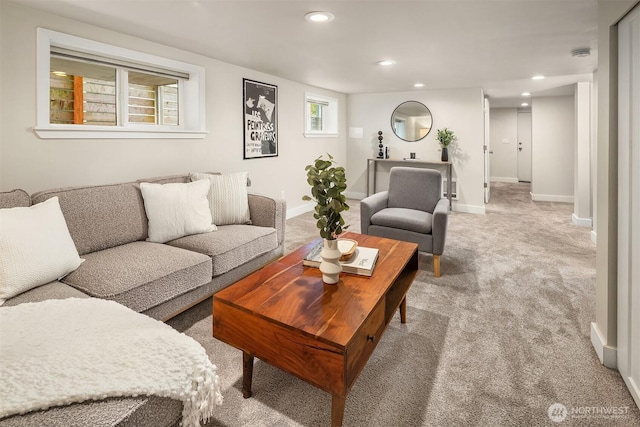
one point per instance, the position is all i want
(524, 146)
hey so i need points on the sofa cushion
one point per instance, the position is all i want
(35, 247)
(140, 275)
(167, 179)
(228, 197)
(53, 290)
(176, 210)
(14, 199)
(101, 217)
(405, 219)
(231, 245)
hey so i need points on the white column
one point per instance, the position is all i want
(582, 214)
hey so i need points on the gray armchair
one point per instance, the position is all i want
(412, 210)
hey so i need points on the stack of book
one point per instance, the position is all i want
(362, 262)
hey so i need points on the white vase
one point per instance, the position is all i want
(330, 265)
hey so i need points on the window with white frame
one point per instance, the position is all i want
(321, 115)
(88, 89)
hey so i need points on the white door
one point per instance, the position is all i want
(487, 153)
(524, 146)
(629, 201)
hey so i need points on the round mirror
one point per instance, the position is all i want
(411, 121)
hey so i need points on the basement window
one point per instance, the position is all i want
(88, 89)
(321, 116)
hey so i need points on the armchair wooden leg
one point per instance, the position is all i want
(436, 265)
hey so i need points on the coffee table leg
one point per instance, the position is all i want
(247, 374)
(403, 311)
(337, 410)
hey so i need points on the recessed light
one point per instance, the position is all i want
(60, 73)
(319, 17)
(538, 77)
(525, 104)
(525, 94)
(386, 62)
(418, 85)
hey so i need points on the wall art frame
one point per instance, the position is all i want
(260, 109)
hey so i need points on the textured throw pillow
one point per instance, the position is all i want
(228, 197)
(35, 247)
(176, 210)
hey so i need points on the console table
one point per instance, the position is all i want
(372, 167)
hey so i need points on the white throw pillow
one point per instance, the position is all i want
(176, 210)
(228, 197)
(35, 247)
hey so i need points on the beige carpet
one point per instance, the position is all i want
(501, 336)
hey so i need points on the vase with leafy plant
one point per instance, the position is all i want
(445, 137)
(328, 183)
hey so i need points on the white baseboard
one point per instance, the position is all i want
(307, 207)
(504, 179)
(594, 237)
(608, 355)
(551, 198)
(355, 195)
(582, 222)
(458, 207)
(634, 389)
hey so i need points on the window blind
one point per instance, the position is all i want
(313, 101)
(61, 52)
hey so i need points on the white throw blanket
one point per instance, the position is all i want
(59, 352)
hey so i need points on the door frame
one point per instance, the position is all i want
(526, 147)
(628, 316)
(487, 152)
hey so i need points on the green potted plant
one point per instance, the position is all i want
(328, 183)
(445, 137)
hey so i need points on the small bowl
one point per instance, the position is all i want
(347, 247)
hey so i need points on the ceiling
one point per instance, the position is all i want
(495, 45)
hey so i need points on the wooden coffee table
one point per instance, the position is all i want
(324, 334)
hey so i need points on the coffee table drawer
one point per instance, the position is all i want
(364, 342)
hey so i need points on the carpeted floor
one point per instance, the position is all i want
(498, 339)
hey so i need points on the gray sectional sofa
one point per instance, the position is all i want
(108, 225)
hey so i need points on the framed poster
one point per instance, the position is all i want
(260, 119)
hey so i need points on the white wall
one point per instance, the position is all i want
(33, 164)
(553, 136)
(461, 110)
(504, 142)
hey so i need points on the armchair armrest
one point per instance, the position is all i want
(268, 211)
(369, 206)
(439, 227)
